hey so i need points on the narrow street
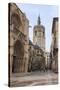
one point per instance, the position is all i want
(34, 79)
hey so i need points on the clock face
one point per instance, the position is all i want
(15, 20)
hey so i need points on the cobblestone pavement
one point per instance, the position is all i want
(34, 79)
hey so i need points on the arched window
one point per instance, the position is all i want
(15, 20)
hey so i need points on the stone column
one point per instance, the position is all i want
(26, 62)
(11, 63)
(11, 59)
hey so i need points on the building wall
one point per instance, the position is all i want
(18, 25)
(54, 45)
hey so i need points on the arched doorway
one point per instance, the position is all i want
(18, 57)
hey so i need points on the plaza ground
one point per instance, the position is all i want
(34, 79)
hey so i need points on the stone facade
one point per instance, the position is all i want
(54, 46)
(18, 40)
(38, 62)
(39, 35)
(36, 58)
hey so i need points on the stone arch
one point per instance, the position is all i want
(18, 57)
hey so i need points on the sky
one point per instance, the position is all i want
(46, 12)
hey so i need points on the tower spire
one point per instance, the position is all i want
(39, 21)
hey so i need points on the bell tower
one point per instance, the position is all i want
(39, 34)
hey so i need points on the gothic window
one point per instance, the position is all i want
(15, 20)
